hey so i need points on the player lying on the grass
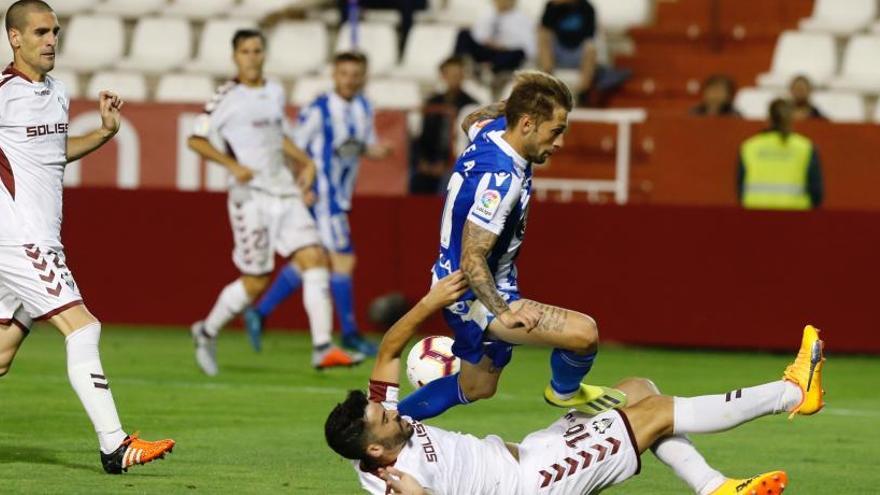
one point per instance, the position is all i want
(336, 130)
(482, 230)
(577, 454)
(246, 120)
(35, 282)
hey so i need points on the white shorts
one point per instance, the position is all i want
(578, 455)
(37, 278)
(335, 233)
(264, 224)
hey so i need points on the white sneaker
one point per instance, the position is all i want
(206, 349)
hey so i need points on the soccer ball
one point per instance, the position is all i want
(431, 358)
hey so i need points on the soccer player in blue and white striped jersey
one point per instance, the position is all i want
(336, 130)
(482, 229)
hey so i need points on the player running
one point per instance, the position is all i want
(246, 120)
(35, 282)
(336, 130)
(577, 454)
(482, 229)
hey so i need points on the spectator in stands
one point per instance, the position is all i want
(565, 38)
(779, 169)
(434, 147)
(503, 40)
(801, 89)
(717, 98)
(300, 8)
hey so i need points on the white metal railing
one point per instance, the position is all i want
(619, 186)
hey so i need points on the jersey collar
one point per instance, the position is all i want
(15, 72)
(496, 137)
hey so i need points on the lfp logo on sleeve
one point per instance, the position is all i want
(487, 204)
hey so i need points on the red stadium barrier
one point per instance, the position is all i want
(704, 277)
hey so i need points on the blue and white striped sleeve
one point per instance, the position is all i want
(308, 126)
(495, 196)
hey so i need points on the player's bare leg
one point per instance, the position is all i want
(119, 451)
(12, 335)
(232, 301)
(479, 381)
(342, 267)
(575, 339)
(314, 265)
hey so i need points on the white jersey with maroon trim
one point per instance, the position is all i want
(33, 154)
(449, 463)
(249, 124)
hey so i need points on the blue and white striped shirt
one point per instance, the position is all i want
(335, 132)
(490, 187)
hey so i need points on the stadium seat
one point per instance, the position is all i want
(620, 15)
(158, 45)
(71, 82)
(810, 54)
(184, 88)
(481, 93)
(198, 9)
(396, 94)
(130, 9)
(66, 8)
(463, 12)
(377, 41)
(841, 107)
(286, 59)
(840, 17)
(131, 86)
(427, 46)
(215, 47)
(754, 103)
(91, 42)
(257, 9)
(308, 88)
(860, 71)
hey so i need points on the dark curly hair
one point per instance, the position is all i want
(345, 429)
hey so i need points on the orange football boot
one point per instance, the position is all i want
(135, 451)
(806, 373)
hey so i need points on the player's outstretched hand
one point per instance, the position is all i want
(446, 291)
(400, 483)
(110, 104)
(525, 318)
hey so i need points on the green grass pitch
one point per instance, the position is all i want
(258, 426)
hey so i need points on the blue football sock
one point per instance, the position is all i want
(569, 369)
(433, 399)
(343, 299)
(285, 284)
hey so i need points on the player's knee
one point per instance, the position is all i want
(660, 413)
(585, 336)
(637, 389)
(5, 364)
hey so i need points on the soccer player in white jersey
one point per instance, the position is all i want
(336, 130)
(35, 282)
(246, 120)
(483, 226)
(577, 454)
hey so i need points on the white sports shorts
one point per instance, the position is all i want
(264, 224)
(578, 455)
(37, 278)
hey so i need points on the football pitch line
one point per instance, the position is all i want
(339, 391)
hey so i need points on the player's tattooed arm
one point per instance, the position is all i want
(488, 112)
(476, 244)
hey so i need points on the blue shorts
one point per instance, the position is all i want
(469, 321)
(334, 232)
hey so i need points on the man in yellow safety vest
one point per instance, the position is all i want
(779, 169)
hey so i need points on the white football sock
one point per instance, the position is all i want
(685, 460)
(714, 413)
(232, 301)
(319, 307)
(90, 384)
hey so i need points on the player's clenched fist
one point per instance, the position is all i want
(401, 483)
